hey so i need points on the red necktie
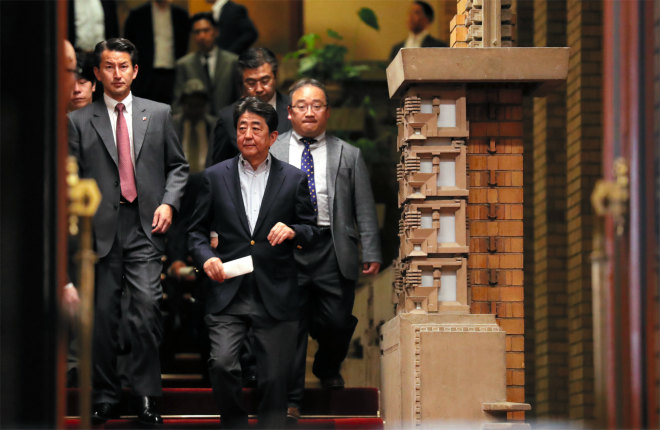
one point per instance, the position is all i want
(126, 174)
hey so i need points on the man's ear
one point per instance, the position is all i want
(97, 73)
(273, 137)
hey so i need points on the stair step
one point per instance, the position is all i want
(361, 402)
(183, 380)
(212, 423)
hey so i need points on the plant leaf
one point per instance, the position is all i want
(368, 16)
(334, 34)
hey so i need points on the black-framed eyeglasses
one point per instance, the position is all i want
(302, 108)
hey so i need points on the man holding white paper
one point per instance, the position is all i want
(260, 208)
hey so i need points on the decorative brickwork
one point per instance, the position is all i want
(495, 219)
(583, 148)
(549, 222)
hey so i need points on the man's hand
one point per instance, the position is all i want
(214, 242)
(370, 268)
(70, 300)
(174, 271)
(162, 219)
(214, 269)
(279, 233)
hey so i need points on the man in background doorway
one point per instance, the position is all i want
(420, 18)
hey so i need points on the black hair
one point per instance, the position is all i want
(305, 82)
(116, 44)
(85, 65)
(257, 57)
(200, 16)
(426, 8)
(257, 107)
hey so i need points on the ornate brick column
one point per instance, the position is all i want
(455, 349)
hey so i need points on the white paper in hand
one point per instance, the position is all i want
(238, 267)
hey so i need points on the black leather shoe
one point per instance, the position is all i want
(103, 412)
(292, 416)
(146, 413)
(250, 380)
(333, 383)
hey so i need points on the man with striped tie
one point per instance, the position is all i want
(341, 193)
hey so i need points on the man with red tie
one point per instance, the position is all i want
(129, 146)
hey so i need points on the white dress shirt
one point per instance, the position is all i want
(90, 24)
(111, 103)
(217, 9)
(213, 56)
(253, 186)
(163, 37)
(415, 40)
(319, 155)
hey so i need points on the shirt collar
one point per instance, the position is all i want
(217, 7)
(246, 166)
(320, 139)
(273, 100)
(111, 103)
(419, 37)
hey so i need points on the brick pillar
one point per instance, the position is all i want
(583, 165)
(549, 220)
(495, 219)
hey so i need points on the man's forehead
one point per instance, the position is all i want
(111, 56)
(309, 91)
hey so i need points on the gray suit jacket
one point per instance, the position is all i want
(351, 202)
(161, 171)
(223, 88)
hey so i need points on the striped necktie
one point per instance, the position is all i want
(307, 166)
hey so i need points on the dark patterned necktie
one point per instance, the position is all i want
(126, 174)
(307, 166)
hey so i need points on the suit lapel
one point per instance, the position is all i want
(233, 184)
(101, 123)
(280, 149)
(332, 167)
(273, 186)
(140, 124)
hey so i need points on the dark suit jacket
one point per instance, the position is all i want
(352, 208)
(109, 17)
(222, 90)
(139, 30)
(428, 42)
(220, 208)
(161, 170)
(236, 30)
(224, 134)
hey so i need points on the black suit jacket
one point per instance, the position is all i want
(428, 42)
(139, 30)
(161, 170)
(220, 208)
(236, 30)
(224, 133)
(109, 17)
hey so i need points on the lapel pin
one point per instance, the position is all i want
(144, 118)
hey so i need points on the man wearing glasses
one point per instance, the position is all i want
(327, 271)
(257, 68)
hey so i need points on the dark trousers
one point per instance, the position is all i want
(273, 343)
(133, 264)
(327, 314)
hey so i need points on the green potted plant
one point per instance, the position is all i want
(327, 61)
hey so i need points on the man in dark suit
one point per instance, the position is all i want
(261, 208)
(84, 30)
(160, 31)
(236, 31)
(328, 271)
(215, 67)
(128, 145)
(257, 68)
(420, 18)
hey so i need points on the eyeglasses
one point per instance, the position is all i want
(265, 82)
(316, 107)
